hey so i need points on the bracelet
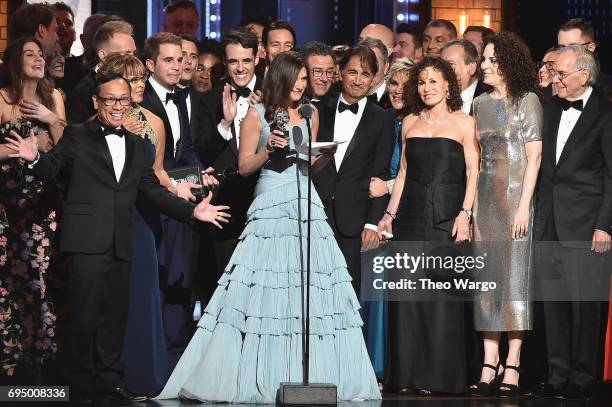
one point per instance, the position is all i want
(390, 214)
(33, 163)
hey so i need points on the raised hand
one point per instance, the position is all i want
(37, 111)
(206, 212)
(230, 108)
(23, 148)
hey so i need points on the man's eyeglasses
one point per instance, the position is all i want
(112, 101)
(584, 44)
(562, 75)
(317, 73)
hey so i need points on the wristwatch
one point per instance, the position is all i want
(468, 212)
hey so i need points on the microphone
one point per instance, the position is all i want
(305, 111)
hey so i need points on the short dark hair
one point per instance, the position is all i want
(582, 24)
(105, 78)
(470, 53)
(61, 6)
(210, 46)
(277, 25)
(411, 92)
(365, 54)
(259, 20)
(240, 36)
(27, 18)
(316, 48)
(190, 38)
(441, 23)
(175, 5)
(485, 31)
(416, 32)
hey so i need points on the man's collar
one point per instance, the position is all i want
(159, 89)
(361, 101)
(470, 90)
(380, 90)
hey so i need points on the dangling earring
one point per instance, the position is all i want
(447, 94)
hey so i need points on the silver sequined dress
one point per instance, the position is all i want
(504, 129)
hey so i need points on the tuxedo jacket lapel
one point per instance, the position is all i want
(100, 143)
(159, 110)
(129, 155)
(554, 132)
(360, 132)
(585, 121)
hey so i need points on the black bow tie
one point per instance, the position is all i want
(576, 104)
(242, 91)
(107, 131)
(354, 107)
(176, 97)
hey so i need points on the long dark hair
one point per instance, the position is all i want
(11, 74)
(411, 92)
(279, 82)
(515, 65)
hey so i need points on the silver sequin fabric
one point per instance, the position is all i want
(504, 129)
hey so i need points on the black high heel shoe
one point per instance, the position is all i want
(506, 390)
(483, 389)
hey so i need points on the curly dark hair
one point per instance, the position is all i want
(515, 64)
(411, 87)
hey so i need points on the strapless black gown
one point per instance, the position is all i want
(426, 347)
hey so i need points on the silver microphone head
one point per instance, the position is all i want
(305, 111)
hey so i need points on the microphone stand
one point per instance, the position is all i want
(306, 393)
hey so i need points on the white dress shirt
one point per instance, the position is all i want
(568, 120)
(171, 111)
(242, 106)
(344, 128)
(467, 96)
(116, 145)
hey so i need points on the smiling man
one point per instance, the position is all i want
(218, 138)
(108, 170)
(277, 37)
(321, 68)
(367, 133)
(437, 33)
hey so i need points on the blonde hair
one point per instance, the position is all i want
(124, 65)
(399, 65)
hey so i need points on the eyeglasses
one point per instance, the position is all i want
(112, 101)
(562, 75)
(136, 79)
(317, 73)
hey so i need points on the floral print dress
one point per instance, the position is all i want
(27, 231)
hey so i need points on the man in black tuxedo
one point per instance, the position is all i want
(463, 57)
(574, 223)
(162, 96)
(220, 112)
(108, 169)
(112, 37)
(378, 89)
(579, 31)
(368, 133)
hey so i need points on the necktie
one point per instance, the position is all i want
(107, 131)
(576, 104)
(242, 91)
(354, 107)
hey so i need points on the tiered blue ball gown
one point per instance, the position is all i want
(248, 340)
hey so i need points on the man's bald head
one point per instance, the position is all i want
(379, 32)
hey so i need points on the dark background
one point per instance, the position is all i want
(339, 21)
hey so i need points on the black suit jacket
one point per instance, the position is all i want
(185, 154)
(576, 192)
(346, 192)
(214, 151)
(79, 106)
(74, 71)
(97, 208)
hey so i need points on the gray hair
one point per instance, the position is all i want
(470, 53)
(378, 44)
(585, 59)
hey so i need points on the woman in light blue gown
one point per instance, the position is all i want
(249, 339)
